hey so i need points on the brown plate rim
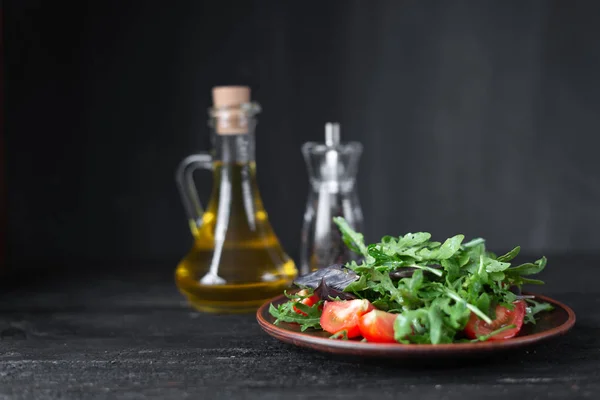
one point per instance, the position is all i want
(335, 346)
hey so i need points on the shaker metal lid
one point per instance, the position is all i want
(229, 96)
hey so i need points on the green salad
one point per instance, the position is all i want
(414, 290)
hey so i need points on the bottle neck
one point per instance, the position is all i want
(233, 132)
(238, 149)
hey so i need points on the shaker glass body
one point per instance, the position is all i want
(332, 193)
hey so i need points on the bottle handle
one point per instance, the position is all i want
(187, 188)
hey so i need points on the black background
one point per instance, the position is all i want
(477, 117)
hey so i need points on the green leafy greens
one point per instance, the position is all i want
(285, 312)
(449, 282)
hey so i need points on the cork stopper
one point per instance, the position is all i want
(231, 119)
(230, 96)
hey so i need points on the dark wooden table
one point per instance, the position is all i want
(127, 334)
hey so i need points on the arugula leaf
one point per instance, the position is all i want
(452, 268)
(386, 283)
(406, 241)
(457, 314)
(285, 313)
(531, 281)
(357, 286)
(509, 296)
(510, 255)
(496, 266)
(361, 268)
(445, 251)
(435, 324)
(483, 303)
(497, 276)
(415, 282)
(454, 296)
(382, 304)
(473, 252)
(462, 259)
(354, 240)
(397, 250)
(537, 307)
(408, 321)
(529, 268)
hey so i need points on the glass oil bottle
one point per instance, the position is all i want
(236, 262)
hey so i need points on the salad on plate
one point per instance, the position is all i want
(413, 290)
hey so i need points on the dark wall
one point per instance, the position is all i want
(477, 117)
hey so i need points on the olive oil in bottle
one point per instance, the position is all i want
(236, 262)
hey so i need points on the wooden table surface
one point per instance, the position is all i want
(125, 332)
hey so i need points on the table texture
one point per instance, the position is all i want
(123, 331)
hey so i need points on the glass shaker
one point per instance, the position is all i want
(332, 168)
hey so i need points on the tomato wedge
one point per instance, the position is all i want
(504, 317)
(309, 301)
(377, 326)
(344, 315)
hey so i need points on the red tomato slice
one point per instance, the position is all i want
(377, 326)
(309, 301)
(344, 315)
(504, 317)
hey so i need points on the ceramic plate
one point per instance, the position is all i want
(549, 324)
